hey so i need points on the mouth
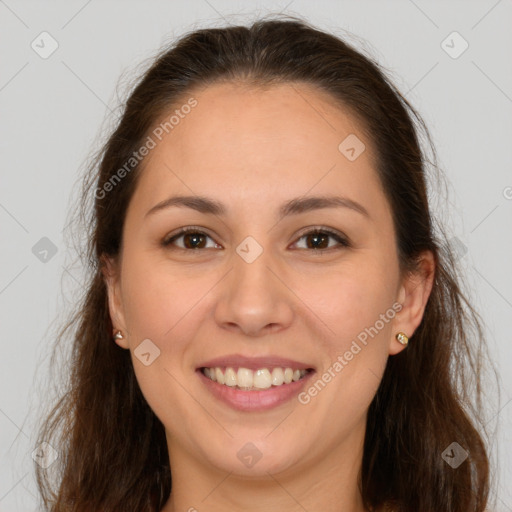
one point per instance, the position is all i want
(247, 379)
(254, 384)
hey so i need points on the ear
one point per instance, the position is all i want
(413, 294)
(111, 275)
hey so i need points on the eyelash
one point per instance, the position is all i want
(343, 242)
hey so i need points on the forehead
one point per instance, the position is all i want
(255, 142)
(265, 118)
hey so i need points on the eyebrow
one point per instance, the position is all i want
(292, 207)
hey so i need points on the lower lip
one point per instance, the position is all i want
(255, 400)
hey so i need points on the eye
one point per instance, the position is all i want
(319, 238)
(192, 238)
(316, 239)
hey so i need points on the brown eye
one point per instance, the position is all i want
(190, 238)
(194, 240)
(319, 239)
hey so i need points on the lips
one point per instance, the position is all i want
(252, 384)
(254, 363)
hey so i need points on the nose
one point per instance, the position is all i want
(255, 299)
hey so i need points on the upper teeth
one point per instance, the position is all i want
(245, 378)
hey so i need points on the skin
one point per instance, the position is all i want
(254, 149)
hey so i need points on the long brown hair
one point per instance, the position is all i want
(113, 453)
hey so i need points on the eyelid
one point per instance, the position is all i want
(184, 230)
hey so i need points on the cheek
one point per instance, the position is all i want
(165, 308)
(163, 304)
(358, 307)
(356, 349)
(149, 305)
(351, 300)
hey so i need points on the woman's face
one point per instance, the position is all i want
(253, 287)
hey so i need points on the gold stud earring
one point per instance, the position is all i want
(118, 335)
(402, 338)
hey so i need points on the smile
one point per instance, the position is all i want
(251, 380)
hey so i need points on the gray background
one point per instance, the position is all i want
(53, 110)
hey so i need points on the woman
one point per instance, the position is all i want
(271, 322)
